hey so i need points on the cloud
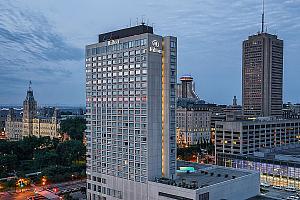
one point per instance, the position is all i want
(30, 46)
(46, 45)
(31, 50)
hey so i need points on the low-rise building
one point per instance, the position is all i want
(206, 182)
(248, 136)
(277, 166)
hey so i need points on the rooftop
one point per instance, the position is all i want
(203, 175)
(126, 32)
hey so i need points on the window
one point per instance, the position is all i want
(172, 196)
(204, 196)
(173, 44)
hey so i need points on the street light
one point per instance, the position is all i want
(44, 181)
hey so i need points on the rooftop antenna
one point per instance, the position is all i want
(263, 16)
(143, 23)
(137, 21)
(130, 23)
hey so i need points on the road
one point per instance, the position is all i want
(66, 186)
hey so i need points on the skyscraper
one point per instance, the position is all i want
(130, 102)
(262, 74)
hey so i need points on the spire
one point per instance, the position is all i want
(29, 88)
(263, 17)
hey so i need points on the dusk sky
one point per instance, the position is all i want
(44, 41)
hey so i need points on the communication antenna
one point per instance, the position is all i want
(137, 21)
(143, 23)
(263, 16)
(130, 23)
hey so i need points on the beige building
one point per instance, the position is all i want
(30, 124)
(193, 125)
(193, 116)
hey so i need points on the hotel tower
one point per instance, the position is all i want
(130, 102)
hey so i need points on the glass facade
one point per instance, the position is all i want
(273, 172)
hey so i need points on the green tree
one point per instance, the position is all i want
(74, 127)
(45, 158)
(8, 163)
(70, 151)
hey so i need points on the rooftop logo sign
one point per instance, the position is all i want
(155, 46)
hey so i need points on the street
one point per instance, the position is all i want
(62, 188)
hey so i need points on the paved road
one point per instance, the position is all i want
(17, 196)
(66, 186)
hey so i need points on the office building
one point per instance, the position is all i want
(291, 111)
(262, 75)
(278, 166)
(131, 93)
(248, 136)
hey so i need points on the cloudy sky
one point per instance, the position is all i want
(44, 41)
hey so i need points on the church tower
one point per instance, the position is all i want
(29, 112)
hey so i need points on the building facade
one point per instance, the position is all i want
(131, 127)
(193, 116)
(30, 124)
(277, 166)
(248, 136)
(13, 126)
(262, 75)
(193, 125)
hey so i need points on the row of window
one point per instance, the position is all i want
(105, 190)
(116, 55)
(114, 68)
(116, 47)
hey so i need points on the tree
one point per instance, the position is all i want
(70, 151)
(44, 158)
(74, 127)
(8, 163)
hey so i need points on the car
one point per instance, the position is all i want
(264, 184)
(292, 198)
(277, 187)
(290, 189)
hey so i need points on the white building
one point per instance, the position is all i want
(130, 89)
(131, 112)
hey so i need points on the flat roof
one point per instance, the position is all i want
(204, 175)
(126, 32)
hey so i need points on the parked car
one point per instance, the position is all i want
(277, 187)
(292, 198)
(290, 189)
(264, 184)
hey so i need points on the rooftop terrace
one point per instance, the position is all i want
(203, 175)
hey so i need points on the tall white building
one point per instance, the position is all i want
(130, 102)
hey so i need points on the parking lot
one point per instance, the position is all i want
(277, 194)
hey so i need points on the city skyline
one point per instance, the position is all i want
(51, 47)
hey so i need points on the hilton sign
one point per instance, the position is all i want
(154, 47)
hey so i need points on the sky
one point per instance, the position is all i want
(44, 41)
